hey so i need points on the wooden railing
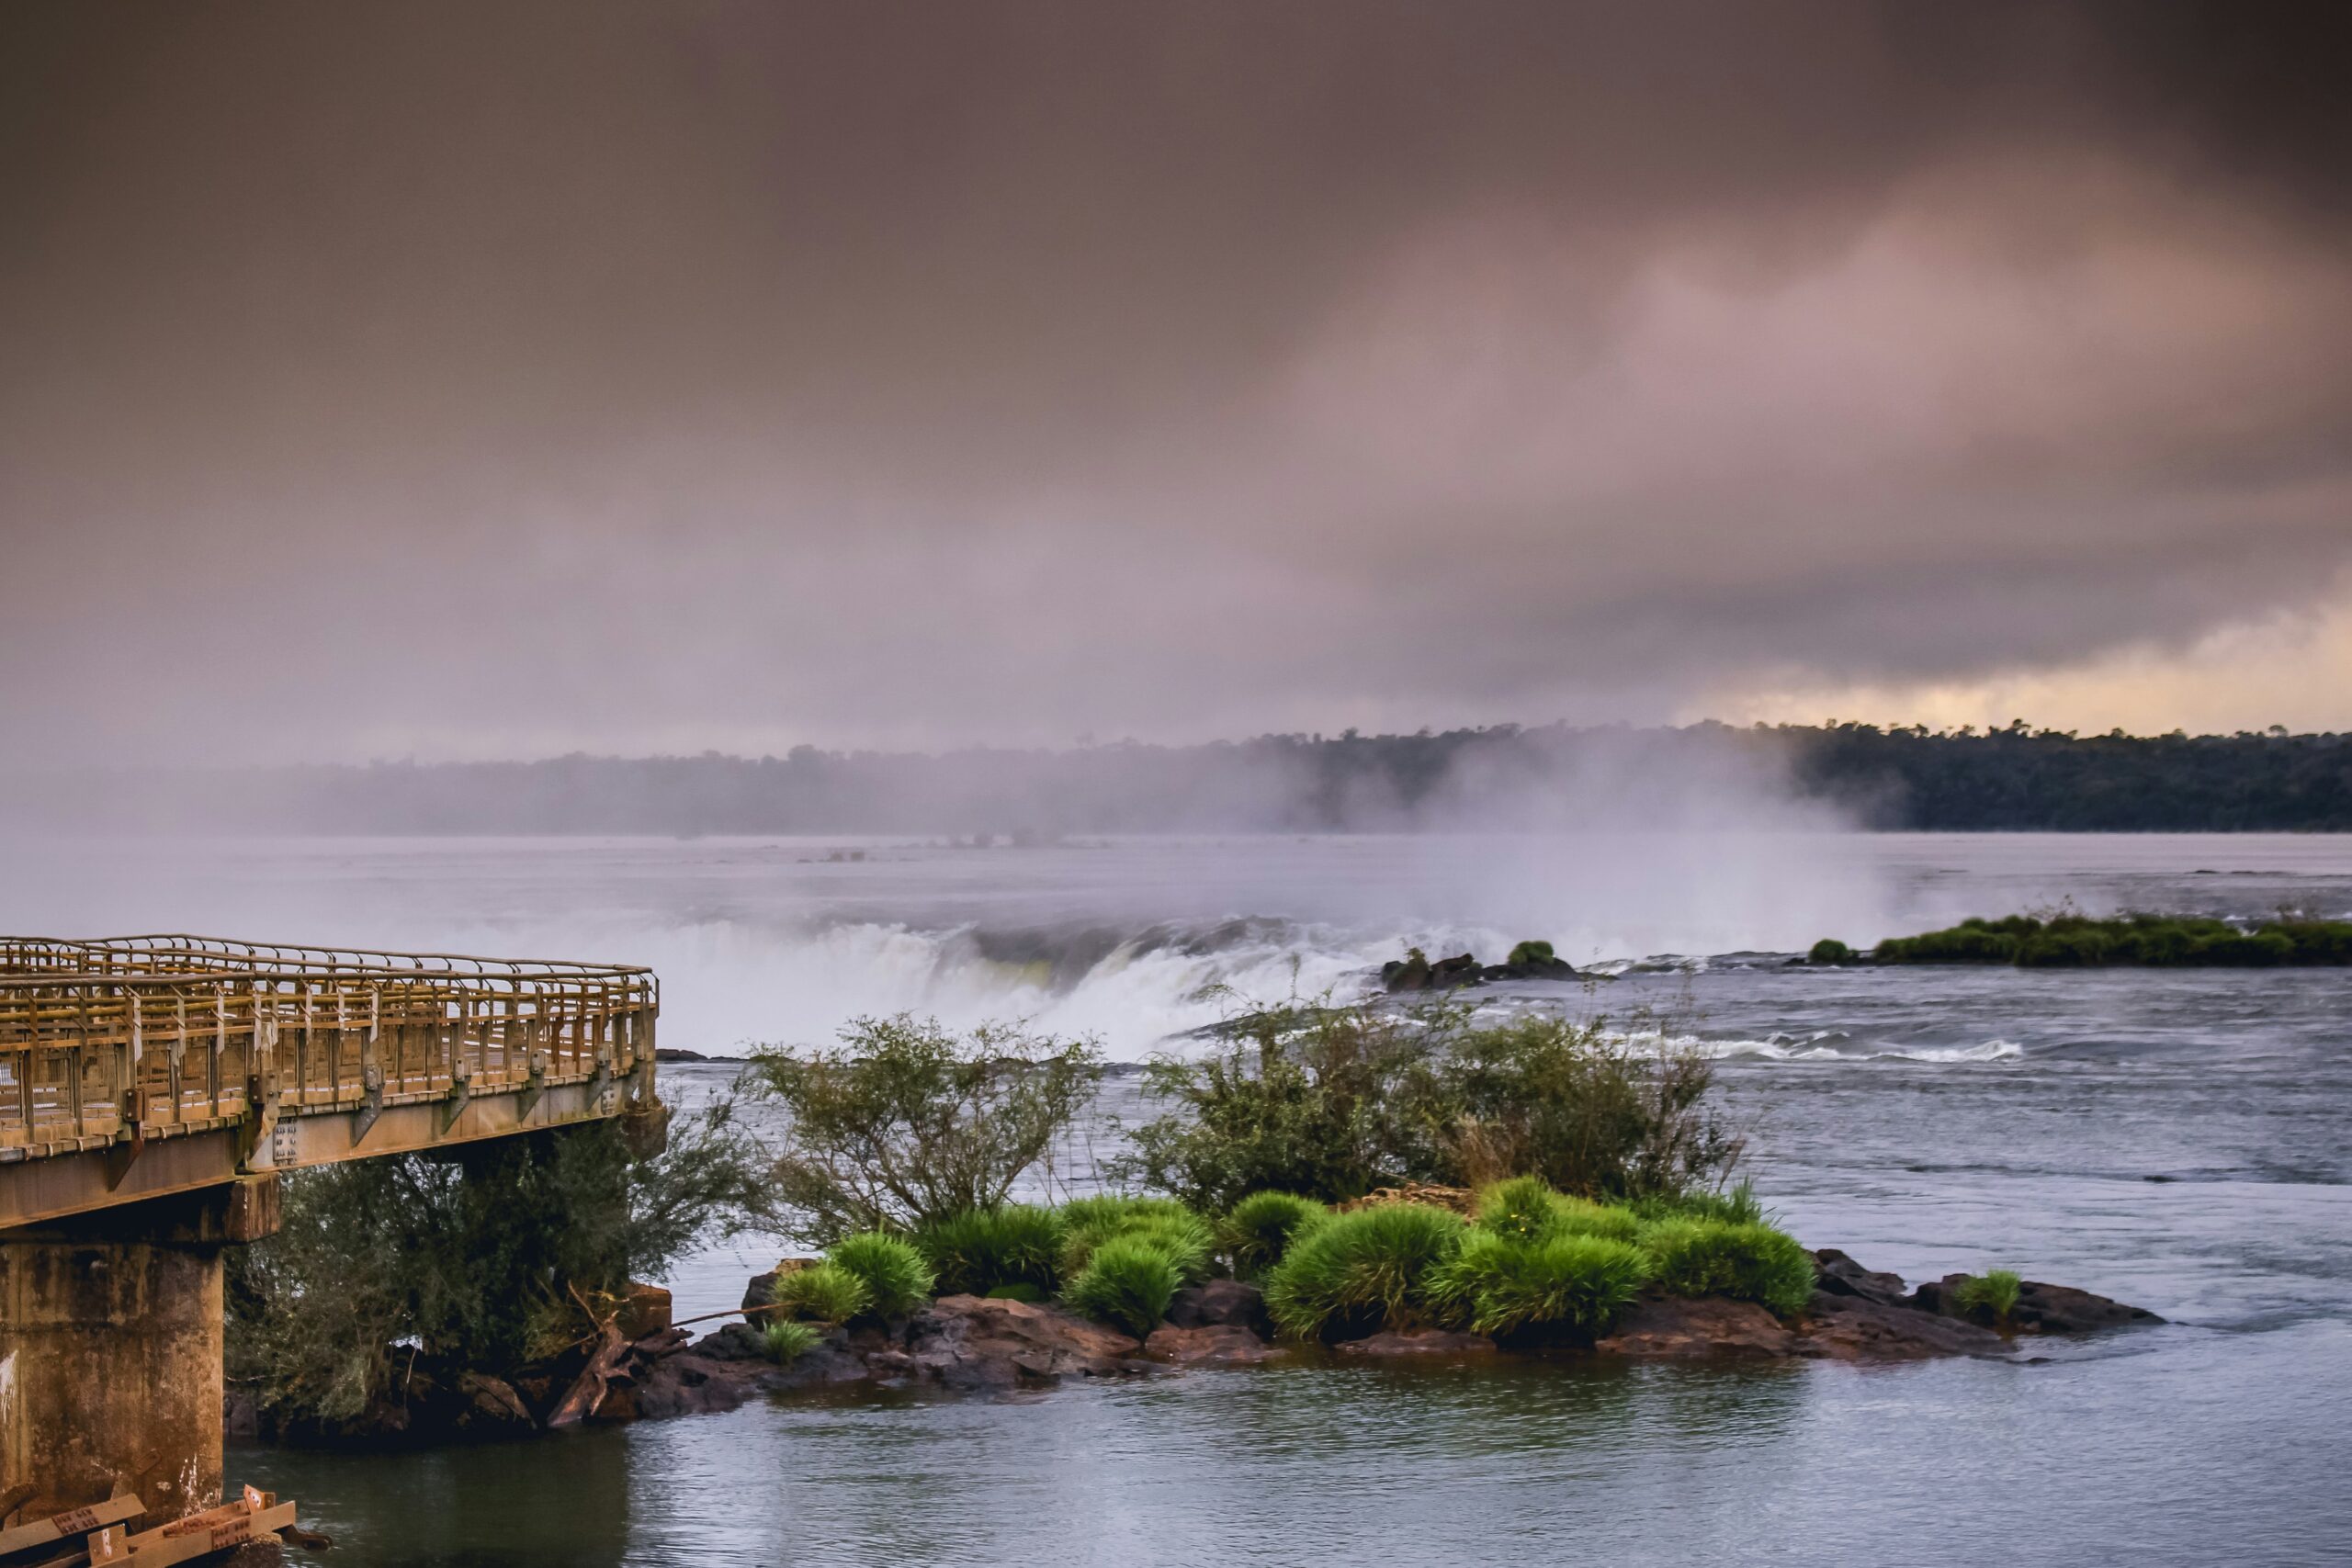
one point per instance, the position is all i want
(169, 1034)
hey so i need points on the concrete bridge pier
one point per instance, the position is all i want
(110, 1350)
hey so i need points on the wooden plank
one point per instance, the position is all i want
(159, 1549)
(73, 1522)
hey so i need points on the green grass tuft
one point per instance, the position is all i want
(1128, 1281)
(824, 1293)
(897, 1278)
(1992, 1295)
(1503, 1284)
(1262, 1227)
(1830, 949)
(1718, 1258)
(975, 1252)
(788, 1340)
(1362, 1270)
(1088, 1223)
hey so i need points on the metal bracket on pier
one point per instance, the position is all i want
(260, 1125)
(371, 1103)
(601, 1083)
(461, 1090)
(533, 1087)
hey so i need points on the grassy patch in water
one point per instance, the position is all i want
(2157, 941)
(974, 1252)
(897, 1278)
(1719, 1257)
(788, 1340)
(825, 1293)
(1364, 1269)
(1260, 1228)
(1992, 1295)
(1560, 1281)
(1128, 1282)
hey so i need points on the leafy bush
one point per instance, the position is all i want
(2072, 941)
(904, 1123)
(1736, 1206)
(1830, 949)
(823, 1292)
(975, 1252)
(1524, 1208)
(1332, 1103)
(1260, 1228)
(1531, 955)
(1992, 1295)
(1505, 1284)
(897, 1278)
(1361, 1269)
(1176, 1230)
(1716, 1257)
(474, 1254)
(788, 1340)
(1128, 1281)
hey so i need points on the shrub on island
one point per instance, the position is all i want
(1128, 1282)
(2162, 941)
(1088, 1223)
(1991, 1296)
(1526, 1208)
(897, 1278)
(1261, 1227)
(824, 1293)
(788, 1340)
(1556, 1282)
(1364, 1269)
(979, 1250)
(1718, 1258)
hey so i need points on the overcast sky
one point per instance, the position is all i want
(470, 379)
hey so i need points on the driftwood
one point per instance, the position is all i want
(586, 1395)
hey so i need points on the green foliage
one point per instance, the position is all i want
(1362, 1270)
(1735, 1206)
(1526, 1209)
(1089, 1223)
(1257, 1230)
(897, 1278)
(823, 1292)
(2078, 941)
(1029, 1294)
(1530, 954)
(1992, 1295)
(904, 1123)
(1560, 1282)
(975, 1252)
(1331, 1102)
(788, 1340)
(1830, 949)
(1128, 1281)
(474, 1254)
(1718, 1258)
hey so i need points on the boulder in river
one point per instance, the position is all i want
(1221, 1302)
(1695, 1328)
(1218, 1345)
(988, 1342)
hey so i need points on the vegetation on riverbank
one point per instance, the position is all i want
(2070, 941)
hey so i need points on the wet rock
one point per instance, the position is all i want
(1215, 1344)
(2041, 1308)
(644, 1309)
(1391, 1344)
(1694, 1328)
(687, 1384)
(732, 1342)
(488, 1405)
(1839, 1275)
(980, 1342)
(1852, 1329)
(1415, 973)
(1220, 1302)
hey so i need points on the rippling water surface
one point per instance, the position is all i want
(2181, 1139)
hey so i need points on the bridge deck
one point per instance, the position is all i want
(135, 1065)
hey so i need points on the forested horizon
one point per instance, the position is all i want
(1506, 777)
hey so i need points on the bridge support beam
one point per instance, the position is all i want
(110, 1345)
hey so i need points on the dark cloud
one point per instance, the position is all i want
(487, 378)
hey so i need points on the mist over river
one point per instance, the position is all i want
(2180, 1139)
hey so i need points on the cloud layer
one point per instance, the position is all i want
(495, 380)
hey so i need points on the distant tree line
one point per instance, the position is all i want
(1501, 777)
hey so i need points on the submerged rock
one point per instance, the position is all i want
(1221, 1302)
(989, 1342)
(1391, 1344)
(1852, 1328)
(2041, 1308)
(1215, 1345)
(1694, 1328)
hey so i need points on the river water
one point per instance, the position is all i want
(2182, 1140)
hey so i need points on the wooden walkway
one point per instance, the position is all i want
(134, 1067)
